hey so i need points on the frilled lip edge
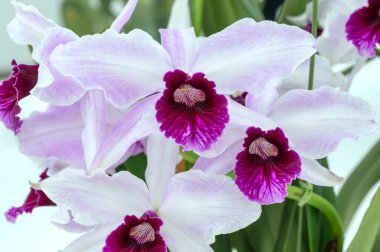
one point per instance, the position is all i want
(194, 121)
(19, 84)
(263, 178)
(363, 28)
(137, 234)
(36, 198)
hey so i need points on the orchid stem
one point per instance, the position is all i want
(284, 10)
(314, 29)
(299, 229)
(198, 16)
(324, 206)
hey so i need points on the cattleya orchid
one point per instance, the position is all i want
(345, 24)
(196, 72)
(363, 28)
(182, 211)
(299, 127)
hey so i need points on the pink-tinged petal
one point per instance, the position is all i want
(55, 133)
(64, 220)
(316, 174)
(266, 166)
(127, 67)
(180, 16)
(29, 26)
(124, 16)
(96, 199)
(137, 123)
(93, 108)
(92, 241)
(221, 164)
(317, 121)
(206, 205)
(242, 116)
(262, 102)
(190, 111)
(181, 46)
(137, 235)
(333, 37)
(325, 77)
(22, 79)
(179, 239)
(363, 28)
(162, 156)
(248, 55)
(52, 86)
(36, 198)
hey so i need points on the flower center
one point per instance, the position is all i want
(142, 233)
(188, 95)
(263, 148)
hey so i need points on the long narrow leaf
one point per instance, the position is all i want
(369, 228)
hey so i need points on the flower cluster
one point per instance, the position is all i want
(237, 99)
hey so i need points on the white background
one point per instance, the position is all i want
(36, 234)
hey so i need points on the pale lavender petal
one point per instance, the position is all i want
(96, 199)
(64, 220)
(333, 37)
(241, 118)
(52, 86)
(180, 15)
(55, 133)
(181, 46)
(124, 16)
(249, 54)
(203, 203)
(162, 156)
(316, 174)
(221, 164)
(29, 26)
(93, 108)
(324, 76)
(317, 121)
(127, 67)
(135, 125)
(262, 102)
(180, 239)
(92, 241)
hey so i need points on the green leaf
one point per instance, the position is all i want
(253, 8)
(135, 165)
(263, 234)
(312, 219)
(369, 227)
(222, 243)
(285, 233)
(362, 179)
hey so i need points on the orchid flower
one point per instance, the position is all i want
(190, 74)
(333, 16)
(363, 28)
(299, 127)
(181, 211)
(30, 27)
(22, 79)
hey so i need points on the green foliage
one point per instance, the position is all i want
(135, 165)
(369, 227)
(362, 179)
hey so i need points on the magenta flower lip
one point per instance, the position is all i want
(266, 166)
(19, 84)
(363, 28)
(190, 110)
(36, 198)
(137, 235)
